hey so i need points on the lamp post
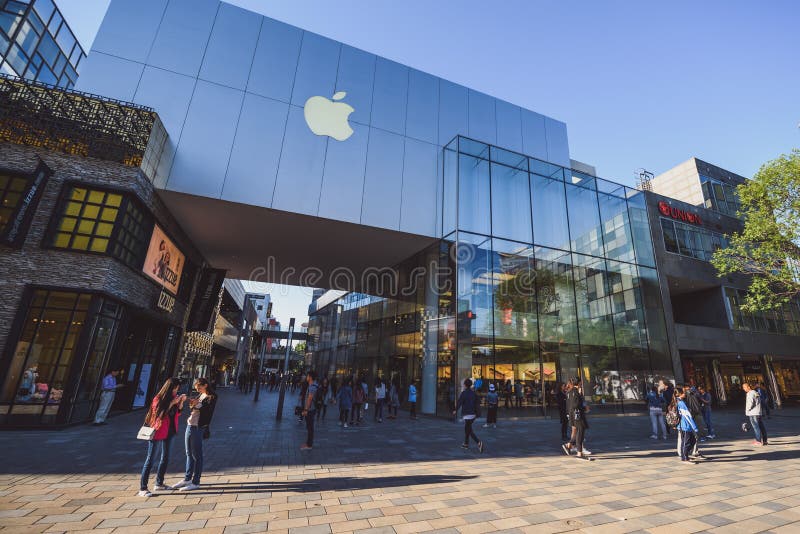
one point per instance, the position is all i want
(279, 414)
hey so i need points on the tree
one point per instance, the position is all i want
(768, 247)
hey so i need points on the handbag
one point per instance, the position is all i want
(146, 433)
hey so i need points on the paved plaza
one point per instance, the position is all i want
(402, 476)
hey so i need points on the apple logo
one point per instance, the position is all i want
(326, 117)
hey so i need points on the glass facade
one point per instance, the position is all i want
(542, 274)
(690, 240)
(36, 43)
(785, 320)
(720, 196)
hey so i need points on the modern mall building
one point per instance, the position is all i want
(459, 236)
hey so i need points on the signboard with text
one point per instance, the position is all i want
(164, 262)
(678, 214)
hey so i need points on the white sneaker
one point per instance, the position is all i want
(144, 493)
(190, 487)
(161, 487)
(486, 425)
(181, 484)
(653, 436)
(345, 425)
(586, 451)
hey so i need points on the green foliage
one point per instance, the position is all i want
(768, 248)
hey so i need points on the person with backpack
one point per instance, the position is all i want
(468, 402)
(492, 401)
(358, 400)
(380, 399)
(752, 409)
(655, 403)
(412, 399)
(345, 400)
(313, 395)
(687, 429)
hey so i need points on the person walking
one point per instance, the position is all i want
(312, 391)
(344, 397)
(197, 429)
(687, 428)
(667, 391)
(468, 402)
(752, 409)
(394, 401)
(576, 411)
(519, 393)
(358, 400)
(301, 400)
(109, 391)
(492, 402)
(412, 399)
(163, 415)
(655, 403)
(561, 401)
(380, 399)
(705, 407)
(325, 397)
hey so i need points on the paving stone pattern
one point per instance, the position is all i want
(402, 476)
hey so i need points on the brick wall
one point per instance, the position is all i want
(33, 264)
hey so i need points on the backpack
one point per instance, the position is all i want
(319, 396)
(672, 417)
(692, 403)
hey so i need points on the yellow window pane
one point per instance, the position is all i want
(86, 227)
(114, 200)
(99, 245)
(103, 229)
(11, 200)
(67, 224)
(62, 240)
(78, 194)
(73, 208)
(90, 211)
(4, 181)
(109, 214)
(96, 197)
(80, 242)
(18, 184)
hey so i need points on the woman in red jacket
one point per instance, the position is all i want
(163, 417)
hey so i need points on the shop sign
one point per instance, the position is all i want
(164, 262)
(678, 214)
(17, 227)
(165, 302)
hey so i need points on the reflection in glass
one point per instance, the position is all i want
(584, 220)
(473, 195)
(549, 212)
(511, 209)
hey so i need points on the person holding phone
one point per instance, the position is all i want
(163, 415)
(197, 428)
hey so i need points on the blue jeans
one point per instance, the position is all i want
(379, 409)
(707, 420)
(758, 428)
(162, 462)
(194, 454)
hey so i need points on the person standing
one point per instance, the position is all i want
(576, 411)
(358, 400)
(308, 410)
(109, 391)
(492, 401)
(197, 429)
(752, 409)
(394, 401)
(705, 402)
(667, 390)
(412, 399)
(519, 393)
(508, 390)
(380, 399)
(655, 403)
(324, 397)
(163, 415)
(301, 400)
(344, 398)
(687, 428)
(468, 402)
(561, 401)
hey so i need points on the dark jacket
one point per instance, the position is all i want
(467, 401)
(576, 408)
(693, 403)
(207, 410)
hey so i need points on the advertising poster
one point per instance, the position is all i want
(141, 390)
(164, 262)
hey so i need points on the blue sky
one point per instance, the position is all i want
(639, 84)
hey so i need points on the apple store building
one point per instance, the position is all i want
(453, 232)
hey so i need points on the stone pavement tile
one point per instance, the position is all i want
(175, 526)
(511, 522)
(29, 519)
(416, 526)
(476, 528)
(14, 513)
(316, 529)
(363, 514)
(447, 522)
(121, 522)
(163, 518)
(689, 525)
(156, 512)
(251, 510)
(227, 521)
(307, 512)
(245, 528)
(714, 520)
(289, 523)
(326, 519)
(376, 530)
(354, 526)
(23, 529)
(71, 526)
(141, 529)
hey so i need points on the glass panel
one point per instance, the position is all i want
(555, 297)
(509, 125)
(616, 228)
(482, 123)
(422, 117)
(550, 227)
(452, 111)
(182, 36)
(391, 96)
(383, 180)
(450, 193)
(670, 238)
(355, 77)
(511, 209)
(420, 175)
(584, 220)
(275, 62)
(44, 8)
(316, 69)
(230, 48)
(473, 195)
(640, 227)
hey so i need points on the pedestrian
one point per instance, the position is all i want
(358, 401)
(766, 400)
(109, 391)
(667, 391)
(325, 397)
(519, 393)
(344, 398)
(197, 429)
(394, 400)
(576, 411)
(752, 409)
(302, 399)
(687, 428)
(561, 401)
(655, 403)
(165, 409)
(412, 399)
(705, 402)
(468, 402)
(380, 399)
(492, 402)
(508, 390)
(312, 391)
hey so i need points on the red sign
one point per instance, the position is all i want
(678, 214)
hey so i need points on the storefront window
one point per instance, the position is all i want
(11, 189)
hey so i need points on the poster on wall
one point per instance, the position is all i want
(164, 262)
(141, 390)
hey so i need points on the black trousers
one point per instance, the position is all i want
(413, 409)
(310, 428)
(491, 415)
(580, 432)
(322, 411)
(468, 432)
(564, 425)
